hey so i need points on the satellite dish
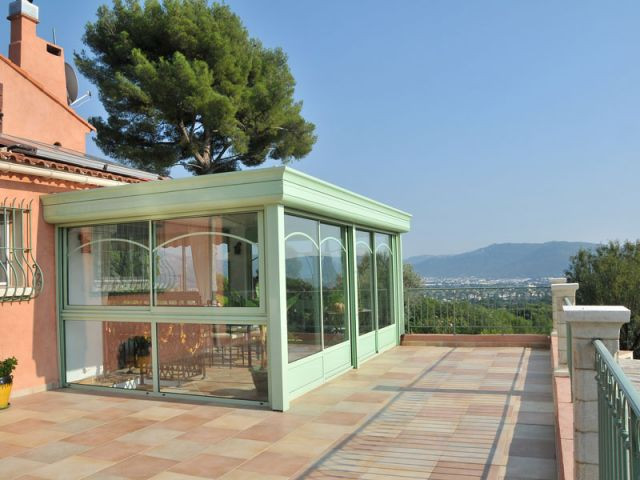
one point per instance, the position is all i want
(72, 83)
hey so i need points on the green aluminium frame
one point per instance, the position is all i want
(272, 193)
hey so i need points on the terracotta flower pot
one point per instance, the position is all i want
(261, 382)
(5, 390)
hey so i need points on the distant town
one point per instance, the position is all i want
(484, 282)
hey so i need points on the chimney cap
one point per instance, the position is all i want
(23, 7)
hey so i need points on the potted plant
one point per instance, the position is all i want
(142, 351)
(260, 374)
(7, 366)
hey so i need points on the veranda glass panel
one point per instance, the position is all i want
(304, 333)
(207, 261)
(334, 284)
(109, 354)
(364, 258)
(384, 283)
(213, 360)
(108, 264)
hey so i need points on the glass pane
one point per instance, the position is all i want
(384, 271)
(303, 287)
(207, 261)
(364, 257)
(213, 360)
(109, 354)
(108, 264)
(16, 261)
(334, 284)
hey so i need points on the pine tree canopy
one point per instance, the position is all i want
(182, 82)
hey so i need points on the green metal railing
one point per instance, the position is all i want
(618, 419)
(478, 310)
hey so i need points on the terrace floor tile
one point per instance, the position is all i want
(412, 412)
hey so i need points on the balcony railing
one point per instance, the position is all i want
(618, 419)
(478, 310)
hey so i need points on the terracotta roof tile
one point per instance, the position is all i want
(20, 158)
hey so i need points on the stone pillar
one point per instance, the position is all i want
(559, 292)
(554, 314)
(587, 324)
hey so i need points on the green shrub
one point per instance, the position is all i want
(7, 366)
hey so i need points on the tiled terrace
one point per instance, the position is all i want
(413, 412)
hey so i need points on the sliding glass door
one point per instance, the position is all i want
(375, 279)
(170, 307)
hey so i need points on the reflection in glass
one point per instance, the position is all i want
(207, 261)
(364, 258)
(108, 264)
(334, 284)
(303, 287)
(213, 360)
(384, 272)
(109, 354)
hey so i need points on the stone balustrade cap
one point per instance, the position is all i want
(555, 281)
(564, 288)
(596, 314)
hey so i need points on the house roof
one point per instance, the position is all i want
(209, 193)
(31, 152)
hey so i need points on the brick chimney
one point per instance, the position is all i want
(43, 60)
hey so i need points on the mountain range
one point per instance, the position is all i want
(502, 260)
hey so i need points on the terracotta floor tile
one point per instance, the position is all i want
(33, 438)
(265, 433)
(207, 435)
(178, 450)
(271, 463)
(210, 411)
(207, 466)
(174, 476)
(10, 450)
(237, 448)
(238, 474)
(368, 397)
(530, 468)
(71, 468)
(108, 414)
(139, 467)
(402, 415)
(234, 421)
(53, 452)
(299, 445)
(340, 418)
(184, 422)
(93, 437)
(158, 414)
(77, 425)
(114, 451)
(109, 431)
(128, 424)
(527, 447)
(150, 436)
(13, 467)
(26, 426)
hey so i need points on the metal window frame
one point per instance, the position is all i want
(24, 279)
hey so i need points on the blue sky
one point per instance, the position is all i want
(489, 121)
